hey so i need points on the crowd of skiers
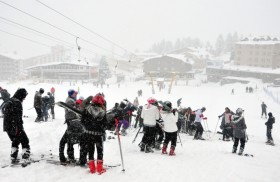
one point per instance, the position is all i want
(87, 119)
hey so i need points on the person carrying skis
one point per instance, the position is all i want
(66, 138)
(263, 106)
(52, 103)
(170, 118)
(225, 124)
(38, 105)
(94, 121)
(239, 131)
(150, 114)
(269, 123)
(13, 125)
(199, 129)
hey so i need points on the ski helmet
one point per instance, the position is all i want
(168, 104)
(41, 91)
(239, 111)
(203, 109)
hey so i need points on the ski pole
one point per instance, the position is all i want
(207, 134)
(30, 108)
(137, 134)
(216, 128)
(180, 139)
(119, 140)
(207, 128)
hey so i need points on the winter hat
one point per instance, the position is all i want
(151, 101)
(71, 92)
(81, 98)
(98, 99)
(270, 114)
(41, 90)
(20, 94)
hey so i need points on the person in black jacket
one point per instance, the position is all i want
(13, 125)
(269, 123)
(38, 105)
(94, 121)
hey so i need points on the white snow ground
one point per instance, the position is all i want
(209, 160)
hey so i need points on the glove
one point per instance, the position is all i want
(219, 117)
(205, 118)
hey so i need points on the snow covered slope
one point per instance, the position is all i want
(209, 160)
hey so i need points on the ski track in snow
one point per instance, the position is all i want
(209, 160)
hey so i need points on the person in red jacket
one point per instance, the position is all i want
(79, 102)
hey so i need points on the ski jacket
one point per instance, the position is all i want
(239, 126)
(198, 116)
(270, 122)
(38, 103)
(52, 100)
(70, 114)
(169, 121)
(5, 96)
(150, 115)
(13, 122)
(94, 120)
(263, 106)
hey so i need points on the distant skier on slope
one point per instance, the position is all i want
(269, 124)
(239, 131)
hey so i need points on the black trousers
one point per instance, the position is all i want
(20, 139)
(52, 109)
(199, 129)
(88, 143)
(70, 149)
(236, 141)
(159, 134)
(39, 113)
(148, 137)
(268, 133)
(170, 137)
(264, 112)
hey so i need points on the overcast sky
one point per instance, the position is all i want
(134, 24)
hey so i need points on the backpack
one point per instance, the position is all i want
(75, 130)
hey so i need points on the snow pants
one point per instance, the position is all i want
(148, 137)
(236, 141)
(170, 137)
(87, 146)
(268, 133)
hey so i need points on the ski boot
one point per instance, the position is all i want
(234, 149)
(14, 154)
(148, 149)
(91, 166)
(171, 152)
(25, 153)
(157, 146)
(240, 151)
(164, 147)
(99, 167)
(142, 146)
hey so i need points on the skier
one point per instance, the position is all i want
(120, 116)
(150, 114)
(190, 117)
(225, 124)
(239, 131)
(38, 105)
(13, 125)
(52, 103)
(94, 121)
(45, 107)
(136, 102)
(263, 106)
(182, 119)
(170, 118)
(66, 138)
(269, 123)
(5, 96)
(199, 129)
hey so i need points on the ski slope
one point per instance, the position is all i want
(209, 160)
